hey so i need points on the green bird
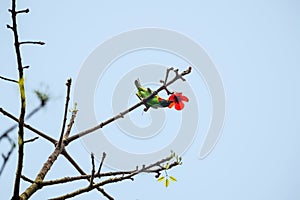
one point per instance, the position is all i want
(155, 102)
(175, 100)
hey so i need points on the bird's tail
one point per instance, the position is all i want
(137, 83)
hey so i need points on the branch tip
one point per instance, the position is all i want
(32, 42)
(9, 26)
(68, 84)
(69, 81)
(22, 11)
(31, 140)
(101, 163)
(93, 170)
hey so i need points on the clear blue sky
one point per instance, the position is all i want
(255, 46)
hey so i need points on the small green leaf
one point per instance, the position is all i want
(179, 160)
(160, 179)
(167, 183)
(173, 178)
(173, 154)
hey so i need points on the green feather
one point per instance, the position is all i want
(154, 102)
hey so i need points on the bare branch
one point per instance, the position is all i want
(101, 163)
(93, 170)
(77, 167)
(106, 194)
(27, 179)
(87, 189)
(157, 169)
(42, 173)
(166, 79)
(73, 162)
(43, 135)
(65, 180)
(32, 42)
(68, 84)
(72, 120)
(8, 79)
(9, 26)
(115, 179)
(31, 140)
(34, 111)
(22, 11)
(88, 176)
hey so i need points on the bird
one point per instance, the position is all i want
(176, 99)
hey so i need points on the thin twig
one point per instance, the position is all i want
(73, 162)
(68, 84)
(93, 170)
(88, 176)
(9, 26)
(32, 42)
(27, 179)
(34, 111)
(43, 135)
(69, 179)
(166, 79)
(101, 163)
(31, 140)
(70, 125)
(77, 167)
(113, 180)
(8, 79)
(22, 11)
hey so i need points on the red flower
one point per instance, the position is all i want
(177, 100)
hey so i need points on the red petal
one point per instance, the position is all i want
(179, 106)
(178, 94)
(171, 98)
(171, 105)
(184, 98)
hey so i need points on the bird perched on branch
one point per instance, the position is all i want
(175, 99)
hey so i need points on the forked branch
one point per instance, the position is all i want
(142, 102)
